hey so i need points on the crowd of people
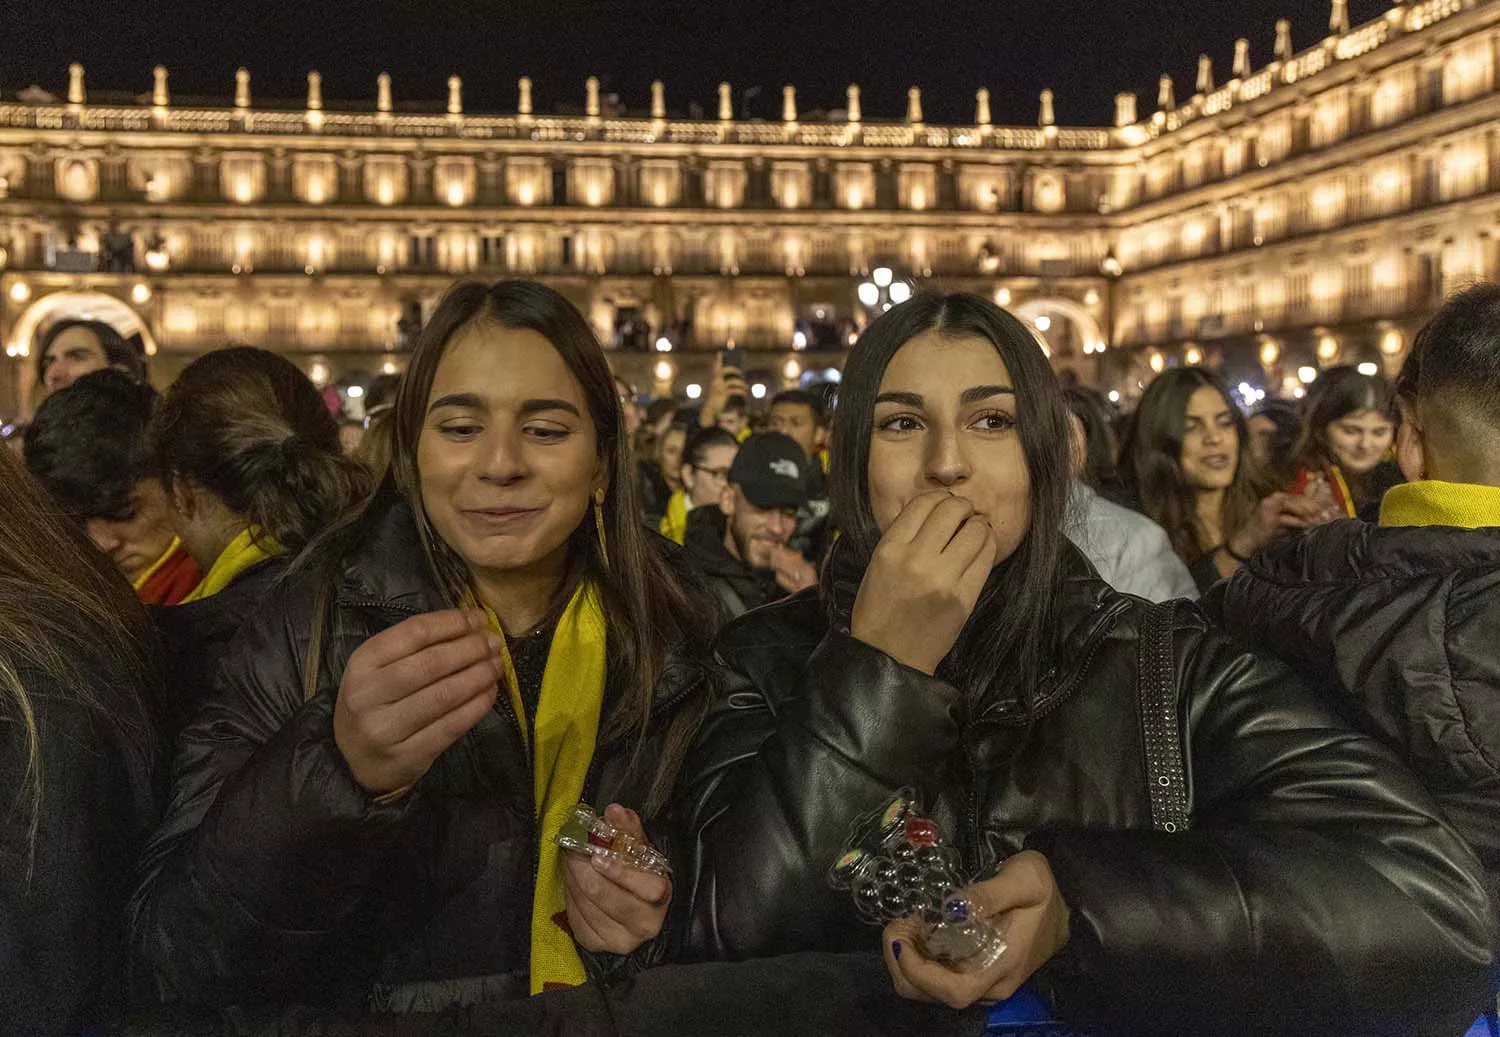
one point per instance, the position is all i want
(1207, 703)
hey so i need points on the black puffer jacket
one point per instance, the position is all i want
(192, 636)
(1315, 891)
(276, 878)
(1405, 625)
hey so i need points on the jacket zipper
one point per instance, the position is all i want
(971, 793)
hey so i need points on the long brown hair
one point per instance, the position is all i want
(63, 606)
(648, 607)
(247, 426)
(1153, 457)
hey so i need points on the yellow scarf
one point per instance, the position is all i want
(674, 523)
(150, 571)
(567, 727)
(1434, 503)
(242, 552)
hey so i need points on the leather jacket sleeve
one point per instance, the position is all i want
(777, 781)
(269, 845)
(1316, 885)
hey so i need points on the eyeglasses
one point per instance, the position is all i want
(717, 473)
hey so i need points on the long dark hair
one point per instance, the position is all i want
(247, 426)
(63, 607)
(1010, 634)
(648, 606)
(1338, 393)
(1154, 455)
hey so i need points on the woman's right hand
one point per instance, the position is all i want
(1276, 514)
(924, 580)
(411, 691)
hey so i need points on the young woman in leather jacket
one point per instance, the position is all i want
(1174, 833)
(365, 806)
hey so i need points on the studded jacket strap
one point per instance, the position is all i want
(1156, 691)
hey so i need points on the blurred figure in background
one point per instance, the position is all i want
(252, 466)
(87, 447)
(704, 473)
(1347, 432)
(1187, 469)
(742, 545)
(74, 348)
(78, 754)
(1403, 619)
(380, 398)
(1274, 429)
(1131, 553)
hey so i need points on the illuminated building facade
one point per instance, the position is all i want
(1308, 210)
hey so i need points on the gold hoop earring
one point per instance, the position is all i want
(599, 525)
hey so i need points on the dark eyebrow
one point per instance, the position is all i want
(473, 402)
(906, 399)
(457, 399)
(984, 392)
(531, 407)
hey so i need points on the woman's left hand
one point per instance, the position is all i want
(1024, 901)
(612, 906)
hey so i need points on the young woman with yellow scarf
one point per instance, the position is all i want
(366, 806)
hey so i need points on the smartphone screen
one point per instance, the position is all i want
(734, 359)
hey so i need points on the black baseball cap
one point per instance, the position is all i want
(771, 471)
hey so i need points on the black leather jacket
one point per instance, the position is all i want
(1315, 892)
(1404, 625)
(276, 878)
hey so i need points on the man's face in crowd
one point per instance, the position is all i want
(140, 535)
(756, 533)
(705, 481)
(734, 421)
(71, 355)
(798, 421)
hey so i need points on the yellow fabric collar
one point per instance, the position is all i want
(140, 581)
(566, 731)
(1434, 503)
(242, 552)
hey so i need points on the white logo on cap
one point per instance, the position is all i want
(782, 466)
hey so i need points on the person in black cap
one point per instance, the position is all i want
(741, 545)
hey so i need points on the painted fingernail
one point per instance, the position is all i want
(601, 864)
(896, 950)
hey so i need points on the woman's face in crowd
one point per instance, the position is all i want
(1358, 441)
(669, 456)
(1262, 432)
(945, 419)
(1210, 442)
(508, 457)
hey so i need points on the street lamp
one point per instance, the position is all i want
(882, 290)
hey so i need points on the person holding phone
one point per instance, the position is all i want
(726, 405)
(366, 803)
(1172, 831)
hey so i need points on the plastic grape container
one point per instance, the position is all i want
(586, 832)
(896, 865)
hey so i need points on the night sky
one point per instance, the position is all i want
(1085, 50)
